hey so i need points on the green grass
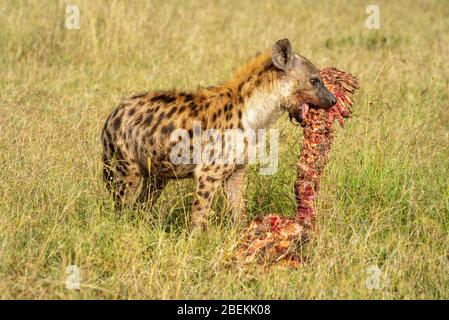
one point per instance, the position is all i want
(384, 199)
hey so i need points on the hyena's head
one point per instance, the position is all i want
(304, 88)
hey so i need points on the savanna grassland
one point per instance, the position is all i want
(384, 197)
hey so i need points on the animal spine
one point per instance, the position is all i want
(318, 138)
(273, 238)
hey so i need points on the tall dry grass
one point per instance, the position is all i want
(384, 200)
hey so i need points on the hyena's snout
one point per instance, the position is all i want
(326, 98)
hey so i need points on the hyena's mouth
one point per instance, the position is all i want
(299, 112)
(303, 109)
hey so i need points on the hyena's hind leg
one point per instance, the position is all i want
(122, 178)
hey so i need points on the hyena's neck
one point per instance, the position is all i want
(259, 91)
(263, 108)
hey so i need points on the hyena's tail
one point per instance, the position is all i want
(107, 160)
(108, 172)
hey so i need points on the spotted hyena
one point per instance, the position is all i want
(137, 136)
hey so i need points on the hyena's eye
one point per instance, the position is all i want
(315, 81)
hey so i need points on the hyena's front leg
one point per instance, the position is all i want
(235, 190)
(208, 178)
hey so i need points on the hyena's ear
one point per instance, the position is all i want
(282, 54)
